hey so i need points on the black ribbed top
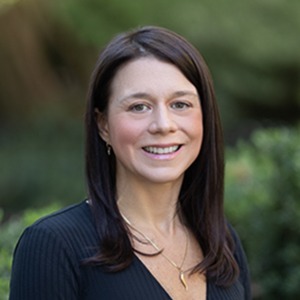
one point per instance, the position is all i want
(47, 265)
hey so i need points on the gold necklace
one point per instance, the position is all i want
(160, 251)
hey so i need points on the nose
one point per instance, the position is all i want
(162, 121)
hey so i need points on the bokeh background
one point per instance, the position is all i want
(47, 52)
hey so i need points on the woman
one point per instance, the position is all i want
(153, 226)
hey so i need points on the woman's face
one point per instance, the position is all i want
(153, 122)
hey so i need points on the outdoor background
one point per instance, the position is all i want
(47, 52)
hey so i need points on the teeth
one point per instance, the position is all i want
(157, 150)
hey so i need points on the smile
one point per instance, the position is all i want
(161, 150)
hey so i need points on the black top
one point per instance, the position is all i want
(47, 265)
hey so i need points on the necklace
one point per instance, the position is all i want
(160, 251)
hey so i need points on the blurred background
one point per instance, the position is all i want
(47, 52)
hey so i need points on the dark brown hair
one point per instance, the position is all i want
(201, 196)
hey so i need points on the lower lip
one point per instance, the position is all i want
(167, 156)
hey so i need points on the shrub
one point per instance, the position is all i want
(262, 200)
(9, 234)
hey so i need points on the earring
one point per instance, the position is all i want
(108, 149)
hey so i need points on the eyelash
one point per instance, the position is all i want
(136, 107)
(183, 105)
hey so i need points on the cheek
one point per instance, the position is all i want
(196, 127)
(196, 135)
(124, 132)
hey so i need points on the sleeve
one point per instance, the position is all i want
(43, 268)
(243, 265)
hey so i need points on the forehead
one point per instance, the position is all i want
(148, 74)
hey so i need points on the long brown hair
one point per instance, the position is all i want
(201, 196)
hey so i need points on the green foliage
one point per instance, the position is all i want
(262, 201)
(252, 48)
(9, 234)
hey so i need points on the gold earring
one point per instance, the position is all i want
(108, 149)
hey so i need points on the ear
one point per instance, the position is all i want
(101, 120)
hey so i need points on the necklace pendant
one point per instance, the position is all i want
(182, 280)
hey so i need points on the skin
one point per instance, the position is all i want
(154, 126)
(153, 109)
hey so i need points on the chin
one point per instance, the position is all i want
(160, 179)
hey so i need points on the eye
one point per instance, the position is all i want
(140, 107)
(179, 105)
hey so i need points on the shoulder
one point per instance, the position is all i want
(72, 228)
(71, 220)
(68, 217)
(47, 258)
(238, 247)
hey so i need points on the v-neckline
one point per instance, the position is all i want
(153, 278)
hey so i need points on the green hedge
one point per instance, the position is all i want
(262, 201)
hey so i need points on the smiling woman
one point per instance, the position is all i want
(153, 124)
(153, 225)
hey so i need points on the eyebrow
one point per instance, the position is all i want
(136, 96)
(141, 95)
(185, 93)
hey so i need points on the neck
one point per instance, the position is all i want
(152, 206)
